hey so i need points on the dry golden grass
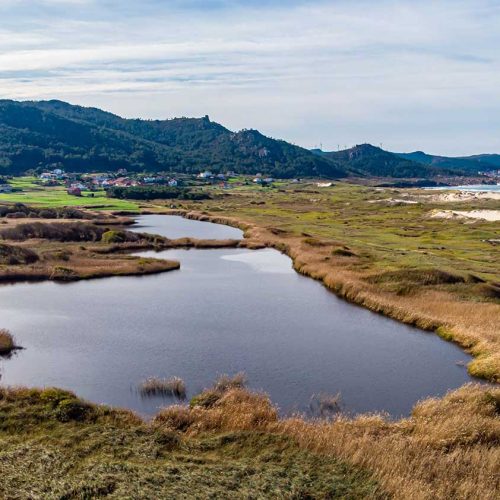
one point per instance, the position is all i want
(448, 448)
(155, 386)
(55, 446)
(7, 343)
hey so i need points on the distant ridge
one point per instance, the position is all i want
(45, 133)
(469, 164)
(367, 160)
(37, 135)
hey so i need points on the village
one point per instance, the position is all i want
(76, 184)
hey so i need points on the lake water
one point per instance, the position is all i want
(175, 226)
(224, 311)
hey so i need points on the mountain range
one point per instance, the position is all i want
(38, 135)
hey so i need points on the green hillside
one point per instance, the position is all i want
(47, 133)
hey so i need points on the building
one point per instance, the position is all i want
(205, 175)
(75, 191)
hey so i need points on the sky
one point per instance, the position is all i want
(407, 75)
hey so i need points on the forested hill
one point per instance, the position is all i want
(48, 133)
(365, 160)
(470, 164)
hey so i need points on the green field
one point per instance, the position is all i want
(34, 193)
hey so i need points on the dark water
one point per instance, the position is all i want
(225, 311)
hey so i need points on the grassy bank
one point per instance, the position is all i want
(231, 443)
(54, 446)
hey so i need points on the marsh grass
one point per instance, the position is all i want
(343, 252)
(155, 386)
(325, 405)
(421, 277)
(7, 343)
(447, 448)
(226, 382)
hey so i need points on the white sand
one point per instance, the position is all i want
(394, 201)
(489, 215)
(465, 196)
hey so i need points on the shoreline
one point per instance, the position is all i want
(306, 260)
(485, 363)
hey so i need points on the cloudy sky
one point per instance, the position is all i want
(408, 74)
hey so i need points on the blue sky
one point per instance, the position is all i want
(410, 75)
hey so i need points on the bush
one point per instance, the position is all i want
(113, 237)
(47, 214)
(63, 274)
(154, 193)
(73, 409)
(71, 231)
(314, 242)
(175, 417)
(421, 277)
(65, 405)
(12, 255)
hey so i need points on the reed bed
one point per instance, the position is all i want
(448, 448)
(155, 386)
(7, 343)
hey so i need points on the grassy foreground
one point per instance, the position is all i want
(54, 446)
(231, 444)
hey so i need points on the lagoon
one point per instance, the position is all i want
(224, 311)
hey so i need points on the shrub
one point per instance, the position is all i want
(491, 290)
(65, 405)
(71, 231)
(12, 255)
(207, 399)
(63, 274)
(73, 409)
(47, 214)
(314, 242)
(113, 237)
(16, 215)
